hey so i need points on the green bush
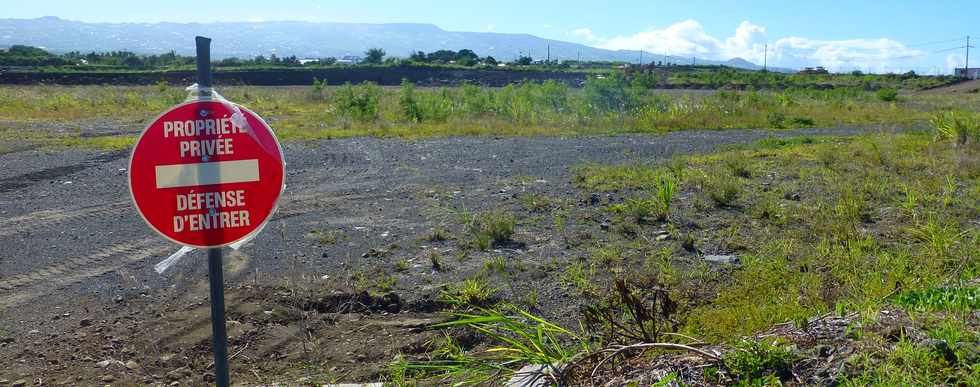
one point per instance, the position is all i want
(359, 102)
(887, 94)
(613, 93)
(753, 360)
(407, 102)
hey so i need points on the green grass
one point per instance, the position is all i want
(956, 299)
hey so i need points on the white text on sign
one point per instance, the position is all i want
(216, 217)
(203, 127)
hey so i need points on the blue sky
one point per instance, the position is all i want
(870, 35)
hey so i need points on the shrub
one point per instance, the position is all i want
(359, 102)
(752, 360)
(611, 94)
(887, 94)
(408, 103)
(317, 89)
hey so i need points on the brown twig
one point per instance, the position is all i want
(616, 350)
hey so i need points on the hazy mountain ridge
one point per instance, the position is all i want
(302, 39)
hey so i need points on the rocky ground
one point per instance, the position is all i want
(81, 303)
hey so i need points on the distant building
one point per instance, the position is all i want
(349, 60)
(970, 73)
(305, 61)
(814, 70)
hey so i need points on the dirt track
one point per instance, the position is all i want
(77, 285)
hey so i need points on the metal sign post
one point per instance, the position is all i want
(219, 335)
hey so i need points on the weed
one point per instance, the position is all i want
(722, 190)
(437, 234)
(578, 275)
(518, 337)
(496, 265)
(470, 292)
(752, 360)
(435, 259)
(959, 299)
(385, 282)
(326, 237)
(490, 228)
(956, 126)
(536, 203)
(402, 265)
(665, 195)
(630, 318)
(530, 299)
(738, 165)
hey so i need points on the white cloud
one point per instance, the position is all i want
(954, 61)
(491, 27)
(688, 38)
(586, 34)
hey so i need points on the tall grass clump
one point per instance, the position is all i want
(956, 126)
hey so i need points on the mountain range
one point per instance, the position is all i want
(305, 40)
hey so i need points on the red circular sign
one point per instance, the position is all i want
(206, 173)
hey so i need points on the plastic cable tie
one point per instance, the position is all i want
(172, 259)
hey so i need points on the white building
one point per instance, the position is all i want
(349, 60)
(970, 73)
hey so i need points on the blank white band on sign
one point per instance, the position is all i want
(219, 172)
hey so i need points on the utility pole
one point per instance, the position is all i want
(765, 58)
(549, 54)
(966, 72)
(641, 57)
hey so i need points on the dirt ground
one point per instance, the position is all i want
(80, 303)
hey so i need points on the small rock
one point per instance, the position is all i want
(594, 199)
(825, 350)
(794, 196)
(604, 226)
(118, 299)
(209, 378)
(18, 383)
(103, 364)
(895, 333)
(663, 237)
(729, 259)
(6, 340)
(85, 322)
(941, 348)
(132, 365)
(108, 378)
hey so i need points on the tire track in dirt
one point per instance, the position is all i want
(24, 287)
(50, 219)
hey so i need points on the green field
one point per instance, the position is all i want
(611, 105)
